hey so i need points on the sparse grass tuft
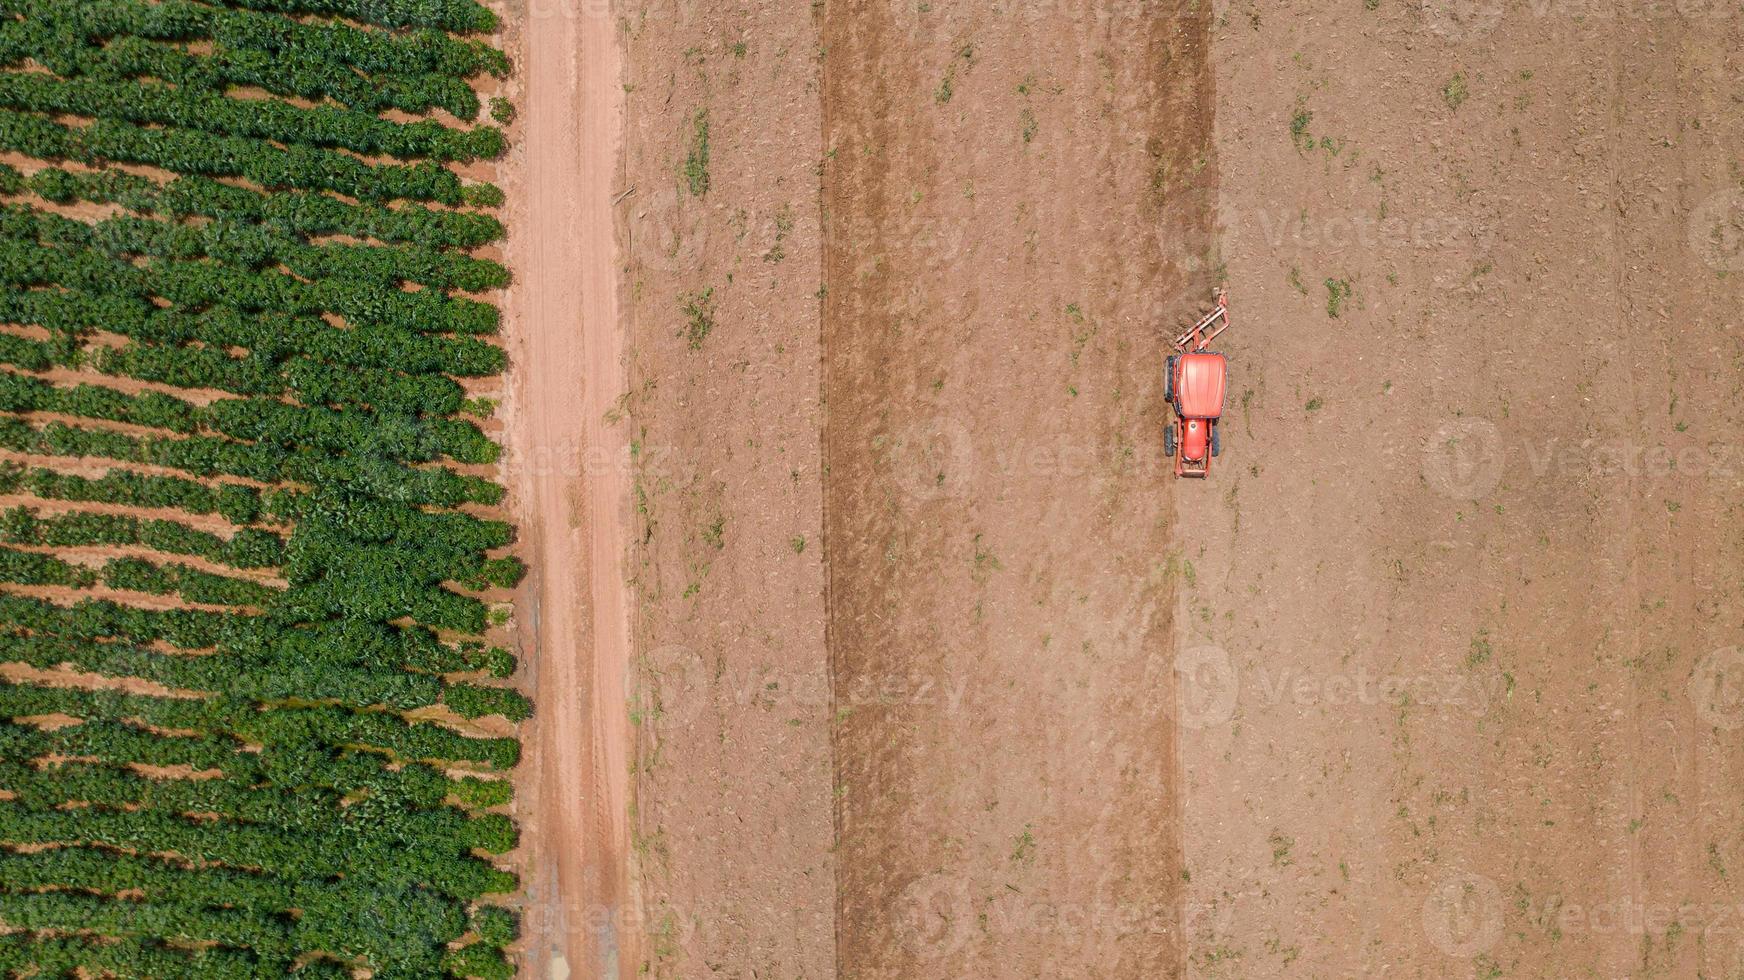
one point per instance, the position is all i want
(1281, 846)
(986, 562)
(947, 85)
(699, 316)
(1480, 651)
(1454, 93)
(696, 162)
(783, 225)
(1299, 127)
(1338, 293)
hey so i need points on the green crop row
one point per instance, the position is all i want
(196, 285)
(419, 51)
(135, 575)
(248, 548)
(53, 955)
(458, 16)
(332, 726)
(268, 338)
(245, 677)
(366, 858)
(235, 503)
(192, 584)
(207, 456)
(351, 661)
(33, 568)
(92, 619)
(386, 435)
(156, 104)
(400, 923)
(253, 246)
(300, 213)
(221, 69)
(232, 800)
(331, 573)
(295, 167)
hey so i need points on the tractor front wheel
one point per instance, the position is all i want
(1169, 441)
(1216, 440)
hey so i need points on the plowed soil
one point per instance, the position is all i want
(997, 540)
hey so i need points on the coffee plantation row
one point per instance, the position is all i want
(249, 557)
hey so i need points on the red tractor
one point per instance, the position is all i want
(1193, 384)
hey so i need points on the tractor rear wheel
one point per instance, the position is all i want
(1216, 440)
(1169, 441)
(1169, 378)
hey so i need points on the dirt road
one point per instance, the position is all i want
(568, 472)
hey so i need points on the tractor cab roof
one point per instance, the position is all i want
(1199, 390)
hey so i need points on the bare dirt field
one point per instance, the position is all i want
(927, 666)
(732, 688)
(1465, 578)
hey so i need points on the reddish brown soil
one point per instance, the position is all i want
(1470, 548)
(936, 670)
(1019, 206)
(572, 626)
(731, 701)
